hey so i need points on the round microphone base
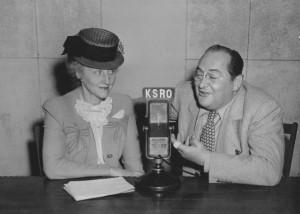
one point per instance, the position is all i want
(158, 182)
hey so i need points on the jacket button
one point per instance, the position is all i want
(109, 156)
(237, 152)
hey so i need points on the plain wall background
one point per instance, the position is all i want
(163, 40)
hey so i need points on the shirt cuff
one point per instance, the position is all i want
(206, 162)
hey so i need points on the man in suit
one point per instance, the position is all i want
(230, 128)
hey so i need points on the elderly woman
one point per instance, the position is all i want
(91, 131)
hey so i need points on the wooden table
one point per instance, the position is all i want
(39, 195)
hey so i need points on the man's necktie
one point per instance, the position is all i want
(208, 132)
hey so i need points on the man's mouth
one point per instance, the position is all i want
(203, 93)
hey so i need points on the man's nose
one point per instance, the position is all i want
(203, 82)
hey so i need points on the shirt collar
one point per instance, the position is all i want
(220, 111)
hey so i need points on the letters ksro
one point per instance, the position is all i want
(158, 93)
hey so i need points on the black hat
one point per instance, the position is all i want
(95, 48)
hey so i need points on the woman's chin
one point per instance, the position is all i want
(103, 95)
(98, 97)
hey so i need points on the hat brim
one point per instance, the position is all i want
(109, 65)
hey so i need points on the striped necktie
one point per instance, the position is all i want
(208, 132)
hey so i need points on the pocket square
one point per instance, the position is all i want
(119, 115)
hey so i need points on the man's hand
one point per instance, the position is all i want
(192, 150)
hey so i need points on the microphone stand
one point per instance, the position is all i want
(158, 180)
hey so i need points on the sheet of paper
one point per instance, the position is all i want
(82, 190)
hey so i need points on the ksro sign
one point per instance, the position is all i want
(158, 93)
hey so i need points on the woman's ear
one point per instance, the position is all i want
(237, 82)
(77, 69)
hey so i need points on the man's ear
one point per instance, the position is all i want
(237, 82)
(78, 76)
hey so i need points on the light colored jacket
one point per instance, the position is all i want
(66, 129)
(250, 145)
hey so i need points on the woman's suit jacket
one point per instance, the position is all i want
(250, 146)
(119, 141)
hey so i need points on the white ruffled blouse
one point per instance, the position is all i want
(96, 115)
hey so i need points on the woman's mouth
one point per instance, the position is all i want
(104, 87)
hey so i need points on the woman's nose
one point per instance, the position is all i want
(106, 76)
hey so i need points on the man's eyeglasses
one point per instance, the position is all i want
(201, 75)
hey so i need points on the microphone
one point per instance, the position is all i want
(158, 130)
(157, 139)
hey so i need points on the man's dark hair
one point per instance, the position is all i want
(236, 64)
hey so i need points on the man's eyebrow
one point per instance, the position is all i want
(209, 70)
(215, 70)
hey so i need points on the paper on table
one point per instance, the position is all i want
(81, 190)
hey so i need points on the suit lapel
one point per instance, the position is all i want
(77, 120)
(228, 135)
(193, 110)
